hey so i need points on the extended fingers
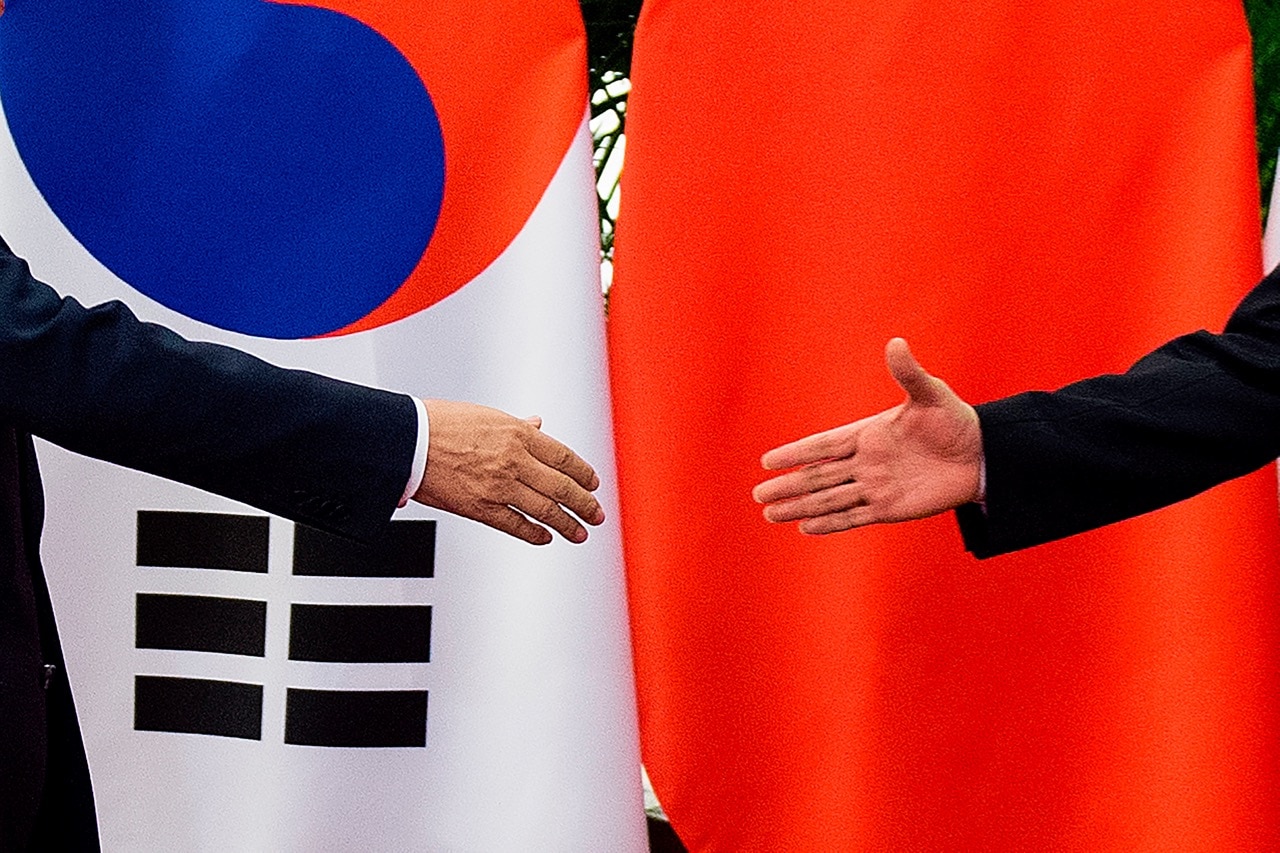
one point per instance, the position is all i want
(524, 506)
(561, 490)
(823, 445)
(555, 455)
(542, 508)
(824, 502)
(507, 520)
(835, 522)
(831, 444)
(811, 478)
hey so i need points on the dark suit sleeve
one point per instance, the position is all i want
(1198, 411)
(100, 382)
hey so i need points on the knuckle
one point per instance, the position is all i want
(568, 492)
(512, 443)
(563, 457)
(521, 524)
(509, 465)
(835, 473)
(546, 509)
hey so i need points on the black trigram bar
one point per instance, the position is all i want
(201, 623)
(203, 540)
(407, 550)
(197, 706)
(356, 718)
(360, 633)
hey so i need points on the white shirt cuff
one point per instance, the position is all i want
(419, 468)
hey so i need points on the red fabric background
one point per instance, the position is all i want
(1030, 193)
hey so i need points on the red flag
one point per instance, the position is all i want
(1030, 193)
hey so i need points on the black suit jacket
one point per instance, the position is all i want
(1198, 411)
(100, 382)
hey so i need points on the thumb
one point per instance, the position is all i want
(910, 376)
(535, 421)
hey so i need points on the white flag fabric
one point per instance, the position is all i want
(395, 194)
(1271, 236)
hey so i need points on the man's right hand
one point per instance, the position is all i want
(502, 471)
(917, 459)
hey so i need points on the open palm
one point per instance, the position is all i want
(920, 458)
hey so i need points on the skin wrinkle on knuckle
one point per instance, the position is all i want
(511, 465)
(563, 490)
(563, 457)
(507, 491)
(518, 437)
(550, 512)
(837, 501)
(513, 523)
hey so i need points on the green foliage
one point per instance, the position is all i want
(1264, 22)
(610, 26)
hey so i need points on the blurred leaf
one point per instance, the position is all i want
(1264, 22)
(610, 27)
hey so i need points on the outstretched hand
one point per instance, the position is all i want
(505, 472)
(917, 459)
